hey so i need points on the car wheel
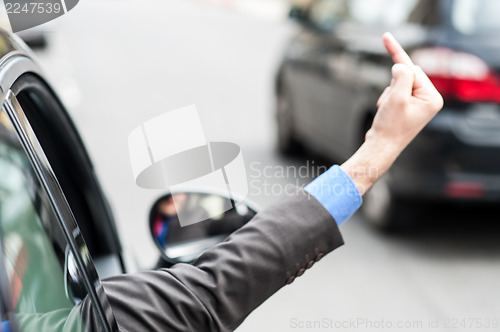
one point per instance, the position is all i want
(384, 210)
(287, 143)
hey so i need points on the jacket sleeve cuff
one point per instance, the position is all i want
(336, 191)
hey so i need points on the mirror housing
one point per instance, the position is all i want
(183, 225)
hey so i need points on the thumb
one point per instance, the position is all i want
(402, 85)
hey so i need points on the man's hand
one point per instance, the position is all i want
(404, 108)
(408, 104)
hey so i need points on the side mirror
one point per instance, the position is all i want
(184, 225)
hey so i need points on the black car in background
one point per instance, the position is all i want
(336, 67)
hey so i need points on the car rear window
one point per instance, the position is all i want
(476, 16)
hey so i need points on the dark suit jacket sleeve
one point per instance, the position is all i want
(227, 282)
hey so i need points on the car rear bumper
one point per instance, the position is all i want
(456, 157)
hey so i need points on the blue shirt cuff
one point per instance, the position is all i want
(5, 326)
(336, 191)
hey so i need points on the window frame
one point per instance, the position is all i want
(60, 207)
(15, 62)
(71, 163)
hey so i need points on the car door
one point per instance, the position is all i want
(339, 64)
(321, 75)
(71, 164)
(305, 73)
(46, 269)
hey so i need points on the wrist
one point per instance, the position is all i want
(385, 145)
(371, 161)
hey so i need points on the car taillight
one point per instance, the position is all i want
(458, 75)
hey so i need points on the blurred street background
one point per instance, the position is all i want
(117, 64)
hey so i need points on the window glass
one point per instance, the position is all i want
(476, 16)
(325, 14)
(35, 252)
(397, 12)
(367, 12)
(381, 12)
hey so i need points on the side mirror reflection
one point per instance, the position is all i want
(185, 244)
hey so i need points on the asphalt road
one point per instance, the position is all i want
(116, 64)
